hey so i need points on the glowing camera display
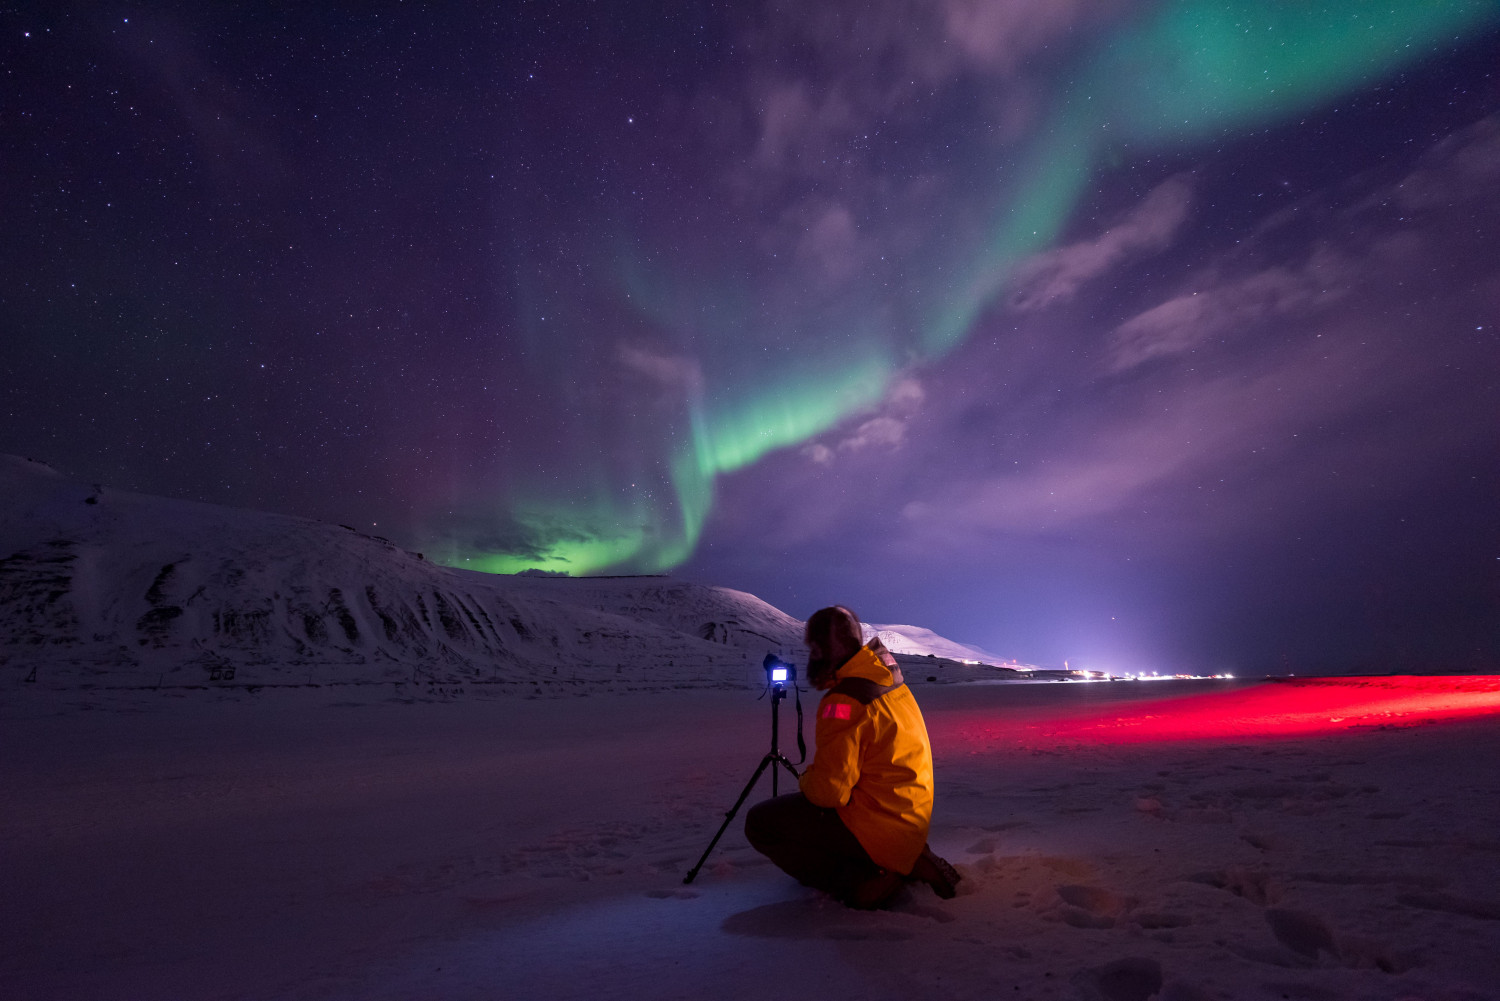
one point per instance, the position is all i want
(779, 674)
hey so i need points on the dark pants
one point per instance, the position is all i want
(809, 843)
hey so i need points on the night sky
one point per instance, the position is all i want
(1147, 335)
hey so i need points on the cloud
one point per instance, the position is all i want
(1142, 459)
(1044, 501)
(1463, 167)
(796, 126)
(886, 431)
(1195, 318)
(852, 72)
(678, 376)
(1384, 235)
(906, 396)
(819, 453)
(829, 246)
(1000, 37)
(1315, 374)
(930, 43)
(1149, 229)
(878, 432)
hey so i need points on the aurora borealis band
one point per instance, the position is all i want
(1212, 68)
(1134, 334)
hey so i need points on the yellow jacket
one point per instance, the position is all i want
(873, 761)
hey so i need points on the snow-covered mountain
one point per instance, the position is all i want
(918, 641)
(105, 587)
(109, 587)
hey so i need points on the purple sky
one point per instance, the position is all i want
(1141, 336)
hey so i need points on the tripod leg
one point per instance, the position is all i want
(764, 762)
(781, 760)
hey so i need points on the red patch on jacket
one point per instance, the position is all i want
(835, 710)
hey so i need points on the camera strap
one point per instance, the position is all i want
(801, 744)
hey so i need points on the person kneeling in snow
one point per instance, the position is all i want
(858, 828)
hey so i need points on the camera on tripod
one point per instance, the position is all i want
(779, 674)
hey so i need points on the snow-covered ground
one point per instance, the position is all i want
(1255, 841)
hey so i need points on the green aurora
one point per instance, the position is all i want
(789, 364)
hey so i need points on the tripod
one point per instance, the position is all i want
(773, 757)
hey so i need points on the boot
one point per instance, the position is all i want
(936, 873)
(873, 891)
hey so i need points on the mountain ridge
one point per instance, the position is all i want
(103, 587)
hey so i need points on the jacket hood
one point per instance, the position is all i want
(874, 663)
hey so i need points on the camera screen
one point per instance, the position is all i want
(778, 674)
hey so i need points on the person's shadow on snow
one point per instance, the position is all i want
(823, 917)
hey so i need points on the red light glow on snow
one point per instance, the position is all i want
(1289, 708)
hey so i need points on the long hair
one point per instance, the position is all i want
(833, 636)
